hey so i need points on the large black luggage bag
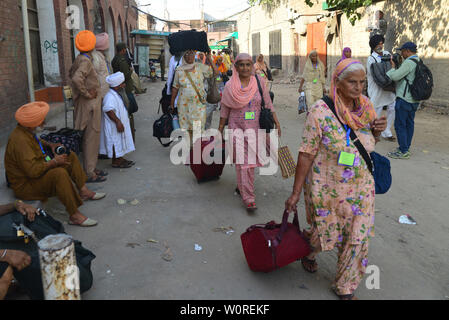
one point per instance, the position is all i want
(188, 40)
(30, 278)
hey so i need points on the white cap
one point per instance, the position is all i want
(115, 79)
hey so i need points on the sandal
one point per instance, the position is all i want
(309, 265)
(344, 296)
(97, 179)
(100, 173)
(122, 165)
(237, 191)
(251, 206)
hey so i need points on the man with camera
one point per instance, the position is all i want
(34, 175)
(406, 106)
(379, 96)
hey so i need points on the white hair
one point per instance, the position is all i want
(350, 69)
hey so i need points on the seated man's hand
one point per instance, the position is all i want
(61, 160)
(5, 282)
(17, 259)
(27, 210)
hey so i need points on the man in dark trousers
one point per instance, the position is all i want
(120, 63)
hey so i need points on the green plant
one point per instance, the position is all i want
(349, 7)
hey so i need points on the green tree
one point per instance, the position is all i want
(349, 7)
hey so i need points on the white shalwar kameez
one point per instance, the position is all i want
(110, 137)
(380, 97)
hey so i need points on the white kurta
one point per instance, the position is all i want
(110, 137)
(378, 96)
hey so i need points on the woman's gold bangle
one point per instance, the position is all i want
(16, 202)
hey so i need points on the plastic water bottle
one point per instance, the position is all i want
(302, 106)
(175, 122)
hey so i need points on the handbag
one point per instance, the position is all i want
(71, 139)
(378, 165)
(271, 246)
(266, 120)
(286, 162)
(200, 96)
(163, 127)
(213, 95)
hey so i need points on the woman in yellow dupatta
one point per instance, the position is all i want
(314, 79)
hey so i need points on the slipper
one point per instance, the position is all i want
(96, 196)
(97, 179)
(122, 165)
(86, 223)
(102, 173)
(251, 206)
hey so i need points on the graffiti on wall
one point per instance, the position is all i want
(52, 46)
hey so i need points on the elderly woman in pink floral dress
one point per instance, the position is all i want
(339, 199)
(241, 106)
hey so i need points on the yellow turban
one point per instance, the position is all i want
(85, 41)
(32, 114)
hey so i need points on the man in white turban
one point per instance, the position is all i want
(116, 136)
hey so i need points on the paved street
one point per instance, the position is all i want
(178, 212)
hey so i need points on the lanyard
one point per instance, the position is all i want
(107, 66)
(40, 145)
(87, 56)
(348, 132)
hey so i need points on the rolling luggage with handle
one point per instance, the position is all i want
(270, 246)
(207, 172)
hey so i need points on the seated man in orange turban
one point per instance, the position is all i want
(33, 175)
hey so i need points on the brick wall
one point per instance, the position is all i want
(13, 76)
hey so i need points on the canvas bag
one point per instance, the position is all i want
(213, 95)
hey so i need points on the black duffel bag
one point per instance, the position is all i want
(30, 278)
(188, 40)
(163, 127)
(71, 139)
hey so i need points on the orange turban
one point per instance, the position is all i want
(85, 41)
(32, 114)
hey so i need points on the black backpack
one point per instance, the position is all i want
(421, 88)
(163, 127)
(379, 73)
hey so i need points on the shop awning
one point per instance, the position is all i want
(234, 35)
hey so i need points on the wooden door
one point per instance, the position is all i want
(255, 42)
(275, 49)
(315, 40)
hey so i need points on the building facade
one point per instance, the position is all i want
(286, 33)
(53, 26)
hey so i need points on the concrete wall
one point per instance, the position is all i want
(49, 43)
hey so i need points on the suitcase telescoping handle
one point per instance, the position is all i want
(284, 224)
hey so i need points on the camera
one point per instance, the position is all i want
(60, 150)
(397, 59)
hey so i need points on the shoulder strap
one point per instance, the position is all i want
(407, 84)
(352, 134)
(260, 91)
(193, 84)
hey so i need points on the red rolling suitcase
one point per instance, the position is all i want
(207, 172)
(271, 246)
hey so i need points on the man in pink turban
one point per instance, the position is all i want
(34, 175)
(101, 62)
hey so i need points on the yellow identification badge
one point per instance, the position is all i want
(315, 80)
(47, 158)
(250, 115)
(346, 159)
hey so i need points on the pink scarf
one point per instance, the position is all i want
(234, 96)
